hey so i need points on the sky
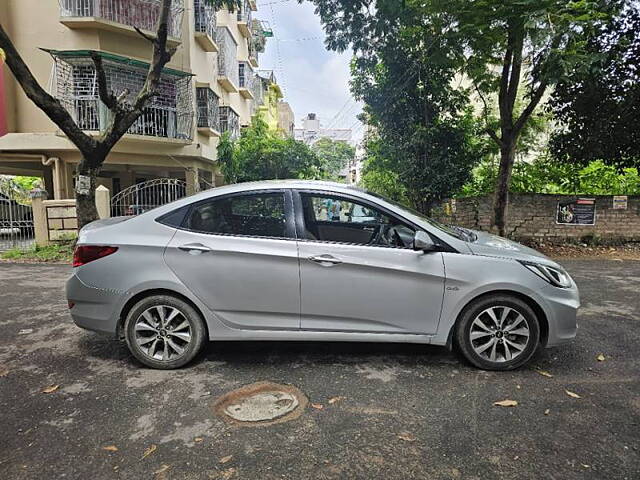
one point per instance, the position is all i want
(313, 79)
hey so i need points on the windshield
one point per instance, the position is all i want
(453, 230)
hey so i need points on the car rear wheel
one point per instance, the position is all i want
(498, 332)
(164, 332)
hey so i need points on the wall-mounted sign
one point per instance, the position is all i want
(620, 202)
(580, 211)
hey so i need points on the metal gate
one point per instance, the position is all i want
(144, 196)
(16, 218)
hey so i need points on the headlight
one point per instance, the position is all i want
(555, 276)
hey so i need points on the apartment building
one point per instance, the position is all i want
(312, 131)
(286, 119)
(208, 88)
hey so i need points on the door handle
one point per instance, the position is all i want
(194, 247)
(325, 260)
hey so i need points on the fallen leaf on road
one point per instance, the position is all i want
(335, 400)
(4, 371)
(198, 439)
(407, 437)
(586, 466)
(544, 373)
(227, 474)
(547, 411)
(110, 448)
(572, 394)
(317, 406)
(600, 357)
(226, 459)
(25, 331)
(149, 451)
(162, 469)
(506, 403)
(51, 389)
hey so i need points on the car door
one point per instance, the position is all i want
(237, 253)
(354, 279)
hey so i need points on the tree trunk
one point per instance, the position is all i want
(507, 158)
(86, 210)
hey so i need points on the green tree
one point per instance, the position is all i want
(598, 107)
(334, 156)
(262, 154)
(506, 49)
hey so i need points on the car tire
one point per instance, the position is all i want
(491, 342)
(164, 332)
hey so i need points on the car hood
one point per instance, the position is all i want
(493, 246)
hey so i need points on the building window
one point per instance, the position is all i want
(142, 14)
(169, 114)
(246, 75)
(208, 108)
(229, 122)
(227, 55)
(205, 18)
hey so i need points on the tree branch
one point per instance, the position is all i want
(106, 96)
(485, 111)
(47, 103)
(516, 68)
(144, 35)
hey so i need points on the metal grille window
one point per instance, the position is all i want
(205, 18)
(229, 122)
(228, 54)
(143, 14)
(169, 114)
(208, 108)
(246, 76)
(244, 13)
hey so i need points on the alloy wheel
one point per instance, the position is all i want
(162, 333)
(499, 334)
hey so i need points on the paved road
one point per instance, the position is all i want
(407, 412)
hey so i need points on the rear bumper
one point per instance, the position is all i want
(561, 308)
(94, 308)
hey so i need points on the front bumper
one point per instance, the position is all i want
(561, 308)
(94, 308)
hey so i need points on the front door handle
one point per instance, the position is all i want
(194, 247)
(325, 260)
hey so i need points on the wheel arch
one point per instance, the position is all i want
(535, 306)
(152, 292)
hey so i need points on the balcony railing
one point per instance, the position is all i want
(142, 14)
(208, 108)
(229, 122)
(205, 18)
(246, 75)
(227, 56)
(245, 18)
(169, 115)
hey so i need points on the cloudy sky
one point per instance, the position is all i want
(313, 78)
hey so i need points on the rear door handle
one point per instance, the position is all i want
(325, 260)
(194, 247)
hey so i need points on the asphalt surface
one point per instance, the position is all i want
(405, 411)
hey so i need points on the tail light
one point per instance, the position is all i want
(84, 254)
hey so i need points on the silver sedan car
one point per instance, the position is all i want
(302, 260)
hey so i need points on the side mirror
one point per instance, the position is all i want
(422, 242)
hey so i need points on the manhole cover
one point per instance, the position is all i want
(261, 403)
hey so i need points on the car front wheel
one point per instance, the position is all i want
(164, 332)
(498, 332)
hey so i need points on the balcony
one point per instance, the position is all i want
(227, 60)
(229, 122)
(205, 25)
(245, 19)
(169, 116)
(208, 112)
(246, 79)
(121, 16)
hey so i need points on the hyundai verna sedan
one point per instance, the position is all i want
(302, 260)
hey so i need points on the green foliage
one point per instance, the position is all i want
(56, 252)
(598, 107)
(547, 176)
(261, 154)
(333, 155)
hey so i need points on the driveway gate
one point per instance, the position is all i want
(16, 218)
(144, 196)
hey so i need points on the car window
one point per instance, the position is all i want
(336, 219)
(260, 215)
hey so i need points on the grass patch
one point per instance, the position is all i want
(56, 252)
